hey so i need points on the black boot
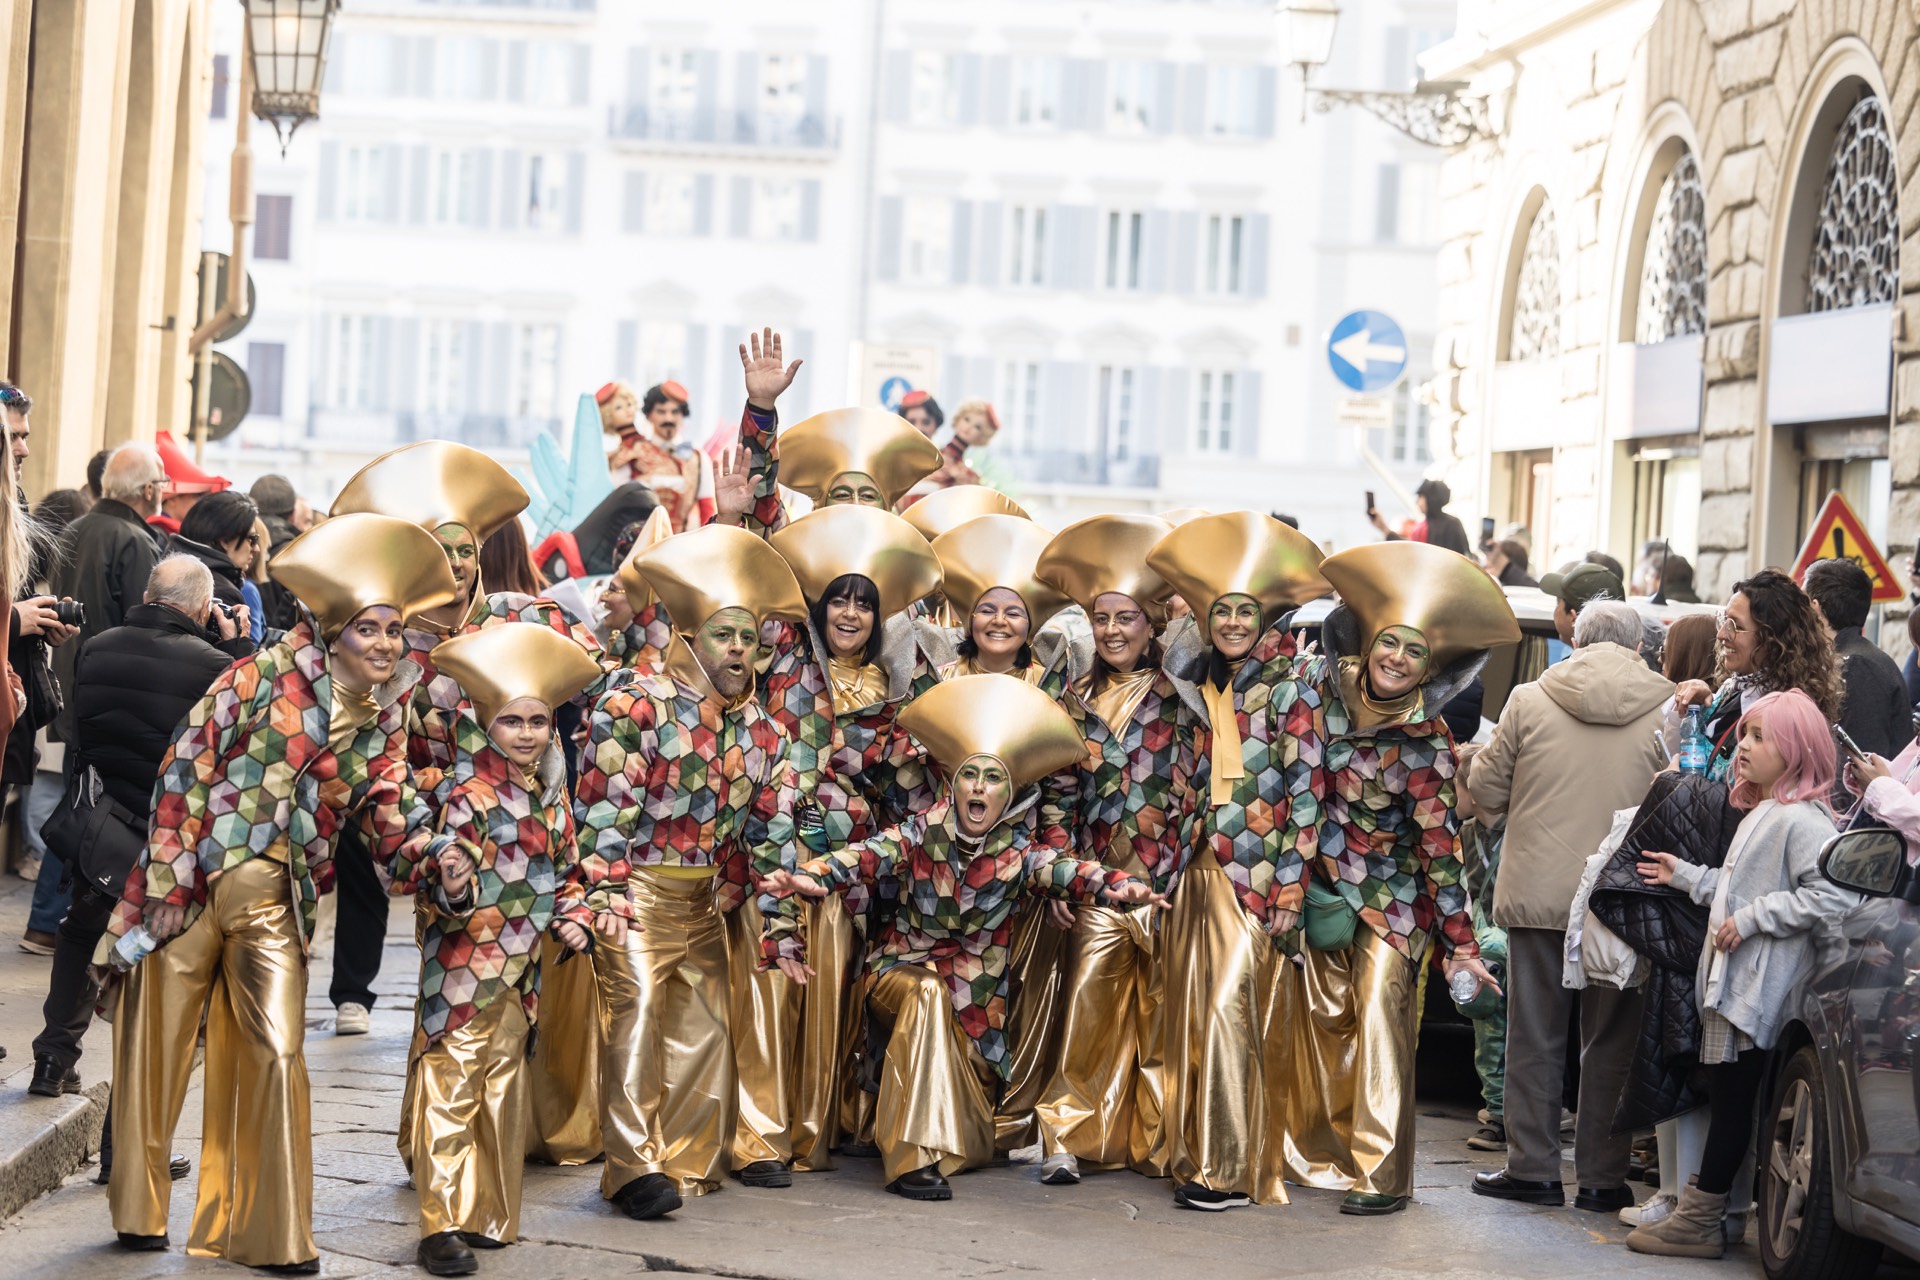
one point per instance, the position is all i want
(765, 1173)
(444, 1253)
(50, 1079)
(651, 1195)
(922, 1184)
(477, 1241)
(143, 1244)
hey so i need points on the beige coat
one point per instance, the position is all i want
(1572, 747)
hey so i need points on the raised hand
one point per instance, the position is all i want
(732, 486)
(762, 364)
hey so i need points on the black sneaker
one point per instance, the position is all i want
(651, 1195)
(1192, 1195)
(922, 1184)
(50, 1080)
(143, 1244)
(1492, 1136)
(444, 1253)
(765, 1173)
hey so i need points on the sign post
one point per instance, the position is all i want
(1837, 534)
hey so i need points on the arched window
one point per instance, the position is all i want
(1535, 332)
(1855, 258)
(1673, 274)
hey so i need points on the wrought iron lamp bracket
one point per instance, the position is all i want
(1438, 115)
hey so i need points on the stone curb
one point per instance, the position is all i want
(45, 1140)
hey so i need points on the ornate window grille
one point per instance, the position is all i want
(1855, 259)
(1535, 331)
(1673, 277)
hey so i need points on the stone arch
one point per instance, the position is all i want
(1533, 233)
(1666, 144)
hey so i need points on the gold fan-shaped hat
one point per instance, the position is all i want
(997, 551)
(1180, 515)
(499, 665)
(876, 544)
(718, 566)
(999, 716)
(433, 483)
(872, 442)
(348, 564)
(1451, 601)
(946, 509)
(657, 529)
(1089, 558)
(1240, 553)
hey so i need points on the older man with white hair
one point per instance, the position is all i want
(1571, 748)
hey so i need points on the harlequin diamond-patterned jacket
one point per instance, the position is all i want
(250, 768)
(757, 437)
(521, 845)
(672, 778)
(955, 914)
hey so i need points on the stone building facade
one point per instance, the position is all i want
(1680, 283)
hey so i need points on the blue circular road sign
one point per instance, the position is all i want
(1367, 350)
(893, 391)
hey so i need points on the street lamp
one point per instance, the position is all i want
(1437, 114)
(288, 39)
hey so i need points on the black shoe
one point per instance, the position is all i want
(765, 1173)
(311, 1267)
(1502, 1186)
(444, 1253)
(651, 1195)
(859, 1150)
(50, 1080)
(1370, 1204)
(922, 1184)
(477, 1241)
(179, 1167)
(1192, 1195)
(143, 1244)
(1603, 1201)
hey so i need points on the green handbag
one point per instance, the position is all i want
(1330, 918)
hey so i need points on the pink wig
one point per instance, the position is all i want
(1799, 732)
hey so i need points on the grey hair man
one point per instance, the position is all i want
(1572, 747)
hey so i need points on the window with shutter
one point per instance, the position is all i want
(266, 372)
(1233, 102)
(1018, 400)
(218, 110)
(927, 240)
(1133, 98)
(545, 191)
(1036, 92)
(777, 209)
(365, 192)
(272, 228)
(1213, 411)
(1120, 261)
(1117, 408)
(1027, 254)
(933, 95)
(535, 387)
(670, 204)
(443, 380)
(1223, 255)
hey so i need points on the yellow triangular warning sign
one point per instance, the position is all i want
(1837, 534)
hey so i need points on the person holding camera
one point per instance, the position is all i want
(133, 684)
(219, 532)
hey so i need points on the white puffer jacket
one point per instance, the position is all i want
(1595, 953)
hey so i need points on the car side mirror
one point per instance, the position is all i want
(1870, 861)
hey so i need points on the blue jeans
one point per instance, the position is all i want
(50, 901)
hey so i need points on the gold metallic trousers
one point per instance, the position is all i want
(243, 963)
(823, 1064)
(1104, 1104)
(564, 1094)
(666, 1076)
(1035, 1007)
(764, 1012)
(1221, 1033)
(935, 1103)
(469, 1125)
(1346, 1087)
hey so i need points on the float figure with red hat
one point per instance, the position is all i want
(657, 452)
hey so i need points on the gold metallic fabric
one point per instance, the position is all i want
(952, 507)
(1453, 603)
(820, 1067)
(1102, 554)
(1369, 712)
(879, 545)
(499, 665)
(934, 1106)
(1104, 1103)
(242, 964)
(1122, 696)
(718, 566)
(666, 1079)
(563, 1123)
(1036, 1004)
(1240, 553)
(351, 709)
(1346, 1090)
(764, 1018)
(469, 1127)
(997, 551)
(433, 483)
(855, 686)
(1220, 1036)
(657, 529)
(1180, 515)
(1033, 673)
(997, 716)
(1229, 764)
(346, 565)
(872, 442)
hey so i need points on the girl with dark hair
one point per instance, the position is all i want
(219, 532)
(507, 565)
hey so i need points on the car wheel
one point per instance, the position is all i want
(1799, 1239)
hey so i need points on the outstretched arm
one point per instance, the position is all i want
(752, 497)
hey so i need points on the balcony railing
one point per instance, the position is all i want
(723, 128)
(1074, 467)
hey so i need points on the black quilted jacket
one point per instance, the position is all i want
(1686, 815)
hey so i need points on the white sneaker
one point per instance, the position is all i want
(350, 1019)
(1026, 1155)
(1060, 1170)
(1485, 1116)
(1655, 1208)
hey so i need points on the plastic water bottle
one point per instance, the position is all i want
(1694, 747)
(135, 945)
(1463, 986)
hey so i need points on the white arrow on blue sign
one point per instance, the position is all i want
(1367, 350)
(893, 391)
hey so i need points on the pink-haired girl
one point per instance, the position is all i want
(1763, 903)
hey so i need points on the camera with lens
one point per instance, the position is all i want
(70, 613)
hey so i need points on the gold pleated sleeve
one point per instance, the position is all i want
(878, 545)
(999, 716)
(433, 483)
(950, 508)
(870, 442)
(496, 666)
(1103, 554)
(348, 564)
(1453, 603)
(997, 551)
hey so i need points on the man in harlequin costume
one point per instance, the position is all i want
(1379, 830)
(683, 781)
(660, 457)
(485, 878)
(1125, 804)
(935, 984)
(1243, 574)
(287, 747)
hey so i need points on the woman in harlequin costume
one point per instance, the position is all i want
(285, 746)
(485, 879)
(634, 628)
(659, 456)
(1413, 627)
(1243, 574)
(947, 509)
(935, 984)
(1126, 804)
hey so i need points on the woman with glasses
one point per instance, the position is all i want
(219, 531)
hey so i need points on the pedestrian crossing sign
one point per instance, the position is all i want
(1837, 534)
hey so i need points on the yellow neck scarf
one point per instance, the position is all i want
(855, 685)
(1124, 693)
(1228, 764)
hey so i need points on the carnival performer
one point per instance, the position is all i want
(990, 570)
(1129, 801)
(685, 777)
(947, 509)
(286, 747)
(1383, 876)
(660, 457)
(936, 981)
(1243, 574)
(633, 628)
(485, 878)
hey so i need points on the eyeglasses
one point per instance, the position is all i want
(1724, 621)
